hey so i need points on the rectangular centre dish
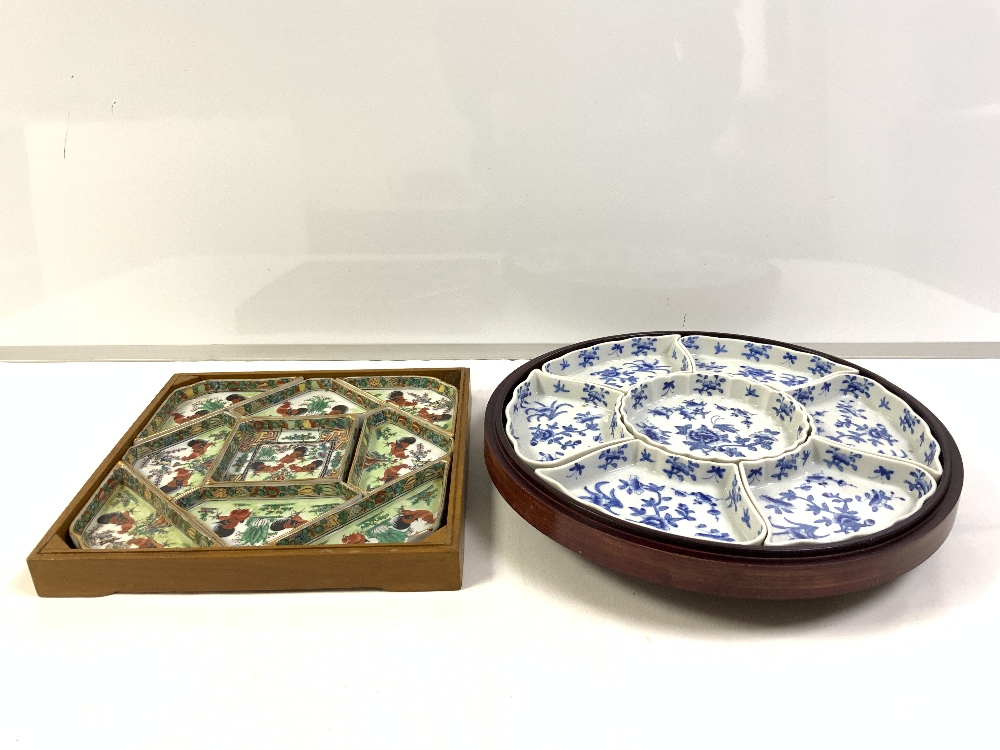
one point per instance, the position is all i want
(274, 481)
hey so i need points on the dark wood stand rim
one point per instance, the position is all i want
(714, 567)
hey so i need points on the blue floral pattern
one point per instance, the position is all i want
(824, 493)
(764, 363)
(737, 465)
(710, 416)
(654, 489)
(623, 364)
(552, 419)
(859, 413)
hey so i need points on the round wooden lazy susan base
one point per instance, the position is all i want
(754, 572)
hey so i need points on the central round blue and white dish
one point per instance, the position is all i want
(721, 418)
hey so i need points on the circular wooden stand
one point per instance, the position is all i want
(714, 567)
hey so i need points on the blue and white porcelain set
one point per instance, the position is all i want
(724, 440)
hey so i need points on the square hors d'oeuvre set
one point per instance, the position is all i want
(301, 462)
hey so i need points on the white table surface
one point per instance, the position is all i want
(541, 648)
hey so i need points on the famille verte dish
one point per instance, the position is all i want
(759, 469)
(289, 461)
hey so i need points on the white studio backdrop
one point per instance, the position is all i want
(495, 176)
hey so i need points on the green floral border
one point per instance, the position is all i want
(407, 381)
(347, 422)
(389, 415)
(371, 502)
(204, 388)
(352, 394)
(122, 475)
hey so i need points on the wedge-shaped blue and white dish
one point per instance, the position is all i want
(857, 412)
(715, 417)
(550, 419)
(624, 363)
(772, 365)
(824, 492)
(675, 495)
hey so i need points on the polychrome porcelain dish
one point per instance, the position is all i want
(751, 405)
(622, 364)
(856, 411)
(405, 511)
(645, 486)
(770, 364)
(314, 397)
(264, 514)
(392, 445)
(425, 398)
(283, 450)
(716, 417)
(201, 399)
(178, 461)
(550, 420)
(825, 491)
(126, 513)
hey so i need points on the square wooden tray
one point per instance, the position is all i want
(433, 564)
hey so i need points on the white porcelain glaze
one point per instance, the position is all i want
(654, 489)
(551, 419)
(714, 417)
(623, 363)
(824, 492)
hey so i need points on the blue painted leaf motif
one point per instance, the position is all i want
(643, 346)
(540, 411)
(920, 484)
(560, 388)
(588, 357)
(805, 395)
(577, 469)
(884, 404)
(788, 380)
(752, 393)
(909, 420)
(783, 503)
(797, 530)
(720, 348)
(879, 499)
(707, 365)
(719, 472)
(931, 452)
(611, 457)
(563, 364)
(602, 499)
(790, 358)
(618, 348)
(668, 385)
(753, 352)
(691, 342)
(856, 386)
(594, 395)
(783, 409)
(883, 472)
(680, 468)
(820, 366)
(759, 374)
(715, 534)
(709, 384)
(841, 461)
(645, 456)
(755, 475)
(785, 465)
(638, 397)
(745, 518)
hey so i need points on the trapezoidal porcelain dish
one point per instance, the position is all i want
(870, 525)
